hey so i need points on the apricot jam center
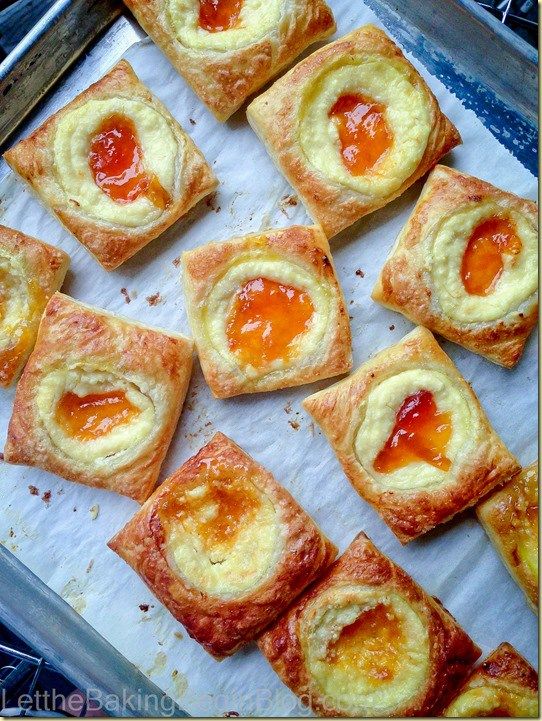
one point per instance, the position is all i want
(364, 134)
(216, 505)
(11, 357)
(86, 418)
(371, 645)
(116, 163)
(482, 262)
(265, 319)
(218, 15)
(420, 433)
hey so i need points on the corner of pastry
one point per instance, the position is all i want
(99, 398)
(352, 127)
(366, 641)
(114, 166)
(227, 49)
(510, 517)
(411, 436)
(504, 685)
(30, 272)
(466, 266)
(223, 546)
(267, 311)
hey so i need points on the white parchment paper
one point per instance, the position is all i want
(61, 532)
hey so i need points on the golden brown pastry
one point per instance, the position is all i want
(411, 436)
(223, 546)
(30, 272)
(266, 311)
(114, 166)
(465, 266)
(504, 685)
(510, 518)
(352, 127)
(367, 641)
(99, 398)
(227, 49)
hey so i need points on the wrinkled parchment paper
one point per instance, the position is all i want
(60, 530)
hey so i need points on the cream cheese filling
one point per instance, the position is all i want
(445, 247)
(257, 19)
(378, 416)
(227, 569)
(407, 114)
(15, 301)
(350, 689)
(122, 443)
(222, 296)
(163, 153)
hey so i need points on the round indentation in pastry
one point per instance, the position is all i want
(265, 321)
(367, 649)
(311, 321)
(222, 532)
(161, 157)
(19, 299)
(493, 701)
(400, 110)
(116, 163)
(498, 247)
(98, 418)
(244, 22)
(429, 460)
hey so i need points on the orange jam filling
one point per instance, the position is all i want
(265, 319)
(218, 15)
(11, 357)
(482, 262)
(420, 433)
(116, 163)
(364, 134)
(216, 505)
(86, 418)
(371, 645)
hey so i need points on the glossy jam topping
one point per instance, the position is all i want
(265, 319)
(218, 15)
(12, 356)
(116, 163)
(482, 262)
(371, 645)
(420, 433)
(216, 505)
(364, 134)
(89, 417)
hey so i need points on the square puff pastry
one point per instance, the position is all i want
(266, 311)
(224, 67)
(99, 399)
(366, 75)
(366, 640)
(510, 518)
(411, 436)
(54, 160)
(223, 546)
(30, 272)
(505, 684)
(423, 275)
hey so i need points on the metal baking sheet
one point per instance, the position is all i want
(52, 542)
